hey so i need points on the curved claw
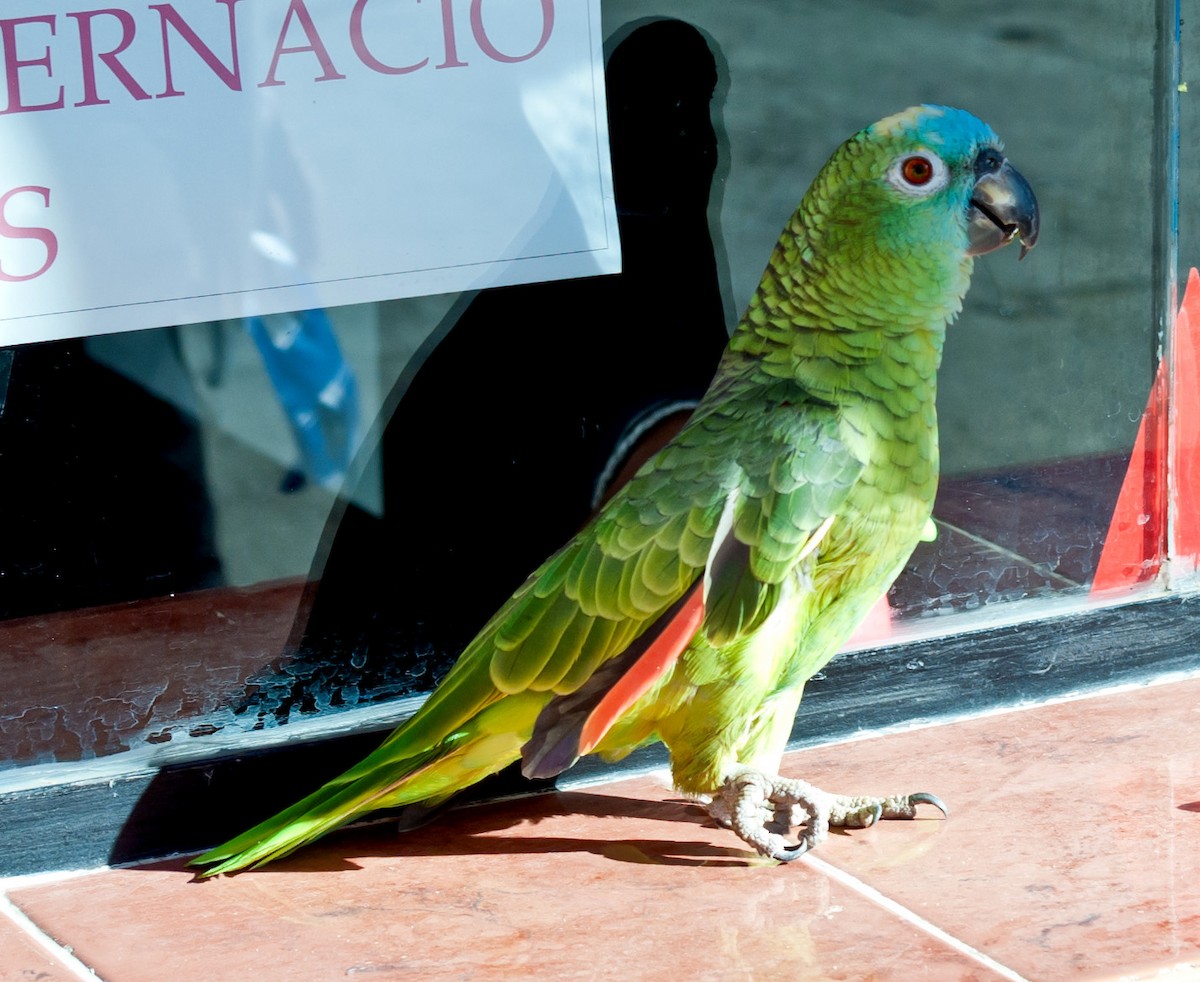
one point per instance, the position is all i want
(925, 798)
(788, 854)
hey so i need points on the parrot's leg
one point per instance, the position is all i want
(762, 809)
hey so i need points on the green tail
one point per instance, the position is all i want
(393, 776)
(331, 806)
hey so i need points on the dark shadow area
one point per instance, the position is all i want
(187, 807)
(104, 497)
(468, 832)
(527, 411)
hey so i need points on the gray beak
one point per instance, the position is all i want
(1003, 207)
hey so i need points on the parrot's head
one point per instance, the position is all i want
(921, 191)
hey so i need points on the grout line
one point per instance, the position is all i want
(23, 880)
(890, 905)
(62, 955)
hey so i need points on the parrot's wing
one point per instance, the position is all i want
(795, 475)
(744, 497)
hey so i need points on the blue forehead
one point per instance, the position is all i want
(953, 132)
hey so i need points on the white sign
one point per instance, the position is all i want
(191, 160)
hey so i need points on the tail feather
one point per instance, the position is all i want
(326, 809)
(488, 743)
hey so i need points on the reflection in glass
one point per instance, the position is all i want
(165, 574)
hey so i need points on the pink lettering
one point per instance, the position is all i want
(105, 35)
(43, 235)
(88, 56)
(231, 76)
(365, 55)
(448, 38)
(489, 49)
(13, 64)
(297, 9)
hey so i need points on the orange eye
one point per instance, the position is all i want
(917, 171)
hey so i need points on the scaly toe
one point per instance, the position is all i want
(762, 809)
(861, 812)
(905, 805)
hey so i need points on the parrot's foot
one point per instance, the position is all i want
(762, 809)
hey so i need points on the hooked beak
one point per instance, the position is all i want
(1003, 207)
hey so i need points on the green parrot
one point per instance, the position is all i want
(697, 603)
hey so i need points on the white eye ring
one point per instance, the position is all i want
(920, 173)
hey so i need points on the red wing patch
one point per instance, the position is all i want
(661, 654)
(572, 724)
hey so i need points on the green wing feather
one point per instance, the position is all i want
(795, 471)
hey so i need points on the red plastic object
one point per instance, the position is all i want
(1185, 485)
(1137, 535)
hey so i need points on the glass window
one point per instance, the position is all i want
(218, 529)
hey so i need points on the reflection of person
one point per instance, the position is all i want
(530, 408)
(316, 389)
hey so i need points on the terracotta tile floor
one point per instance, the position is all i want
(1073, 851)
